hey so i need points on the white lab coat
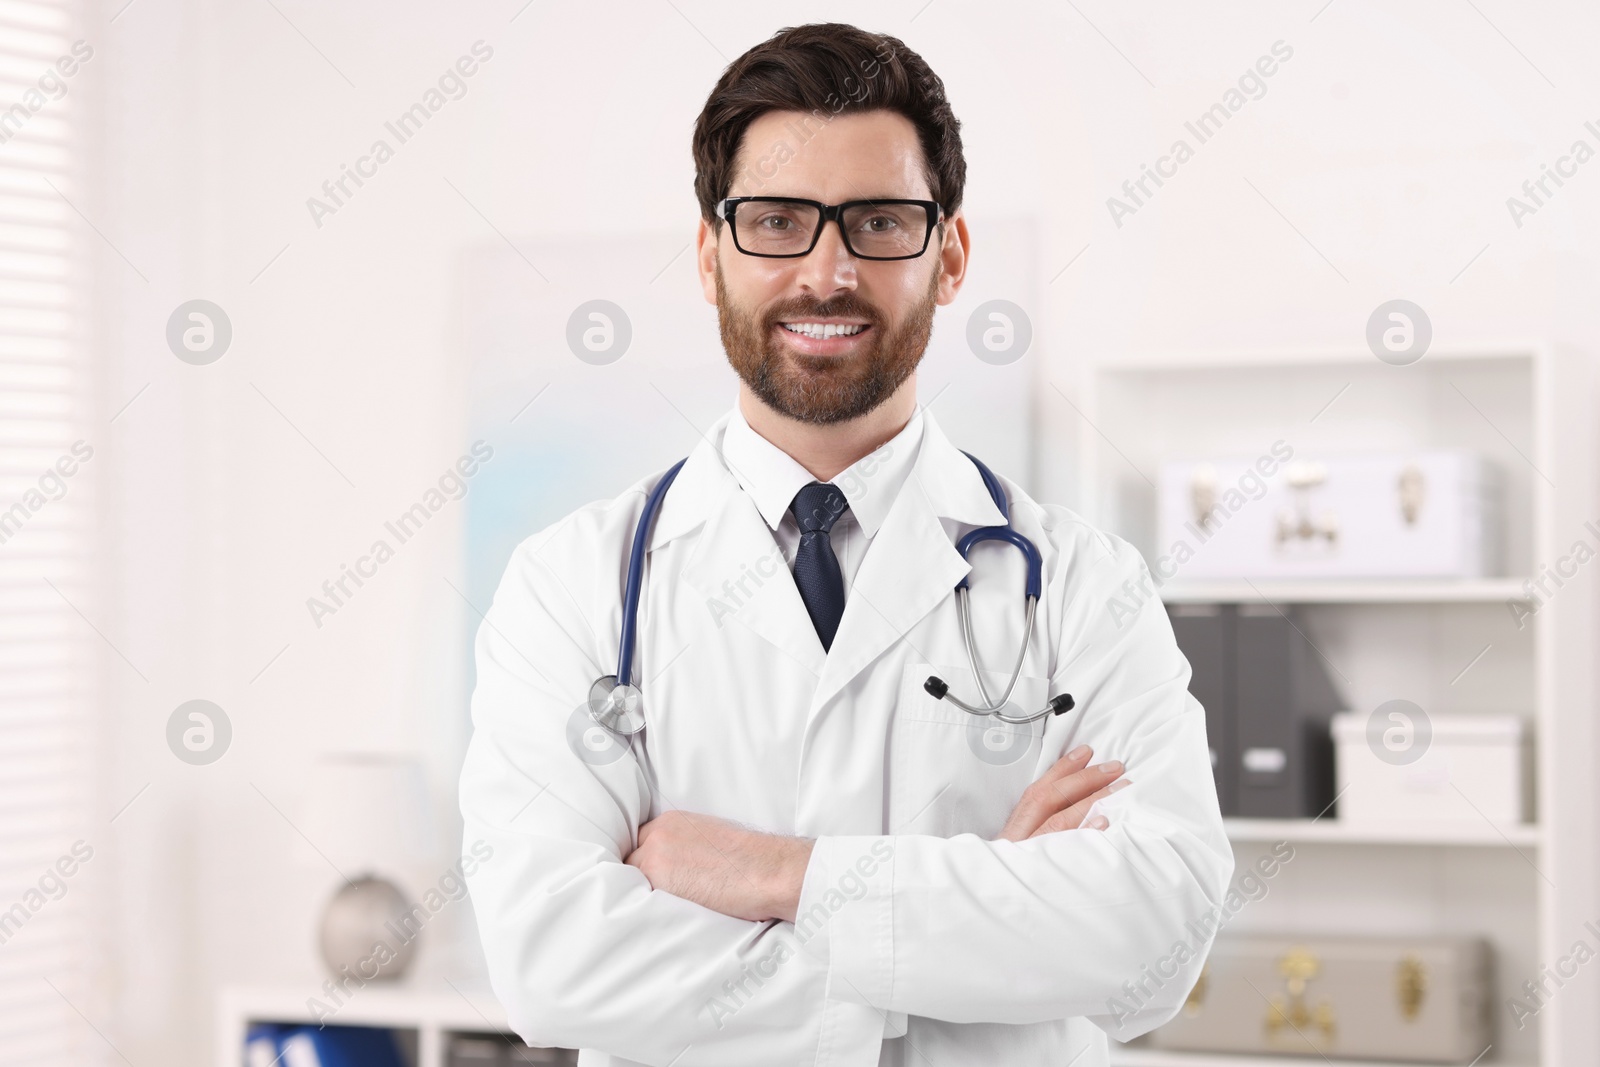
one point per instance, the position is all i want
(914, 925)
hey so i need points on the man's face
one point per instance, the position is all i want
(853, 157)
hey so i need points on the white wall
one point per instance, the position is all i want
(1390, 141)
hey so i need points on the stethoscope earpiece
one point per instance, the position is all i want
(939, 689)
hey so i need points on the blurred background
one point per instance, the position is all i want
(276, 403)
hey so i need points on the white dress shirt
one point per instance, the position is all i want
(772, 477)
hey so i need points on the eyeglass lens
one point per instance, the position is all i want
(871, 230)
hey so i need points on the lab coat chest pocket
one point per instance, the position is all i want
(951, 772)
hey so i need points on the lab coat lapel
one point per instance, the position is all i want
(736, 566)
(912, 564)
(738, 571)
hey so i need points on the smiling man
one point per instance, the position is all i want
(811, 855)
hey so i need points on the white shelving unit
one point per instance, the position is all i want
(1154, 1058)
(1485, 591)
(1332, 831)
(423, 1015)
(1452, 647)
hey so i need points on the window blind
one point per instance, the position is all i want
(47, 661)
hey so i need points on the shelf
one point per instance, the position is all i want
(404, 1003)
(425, 1011)
(1327, 591)
(1275, 359)
(1123, 1056)
(1332, 830)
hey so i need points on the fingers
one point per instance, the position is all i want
(1071, 818)
(1067, 782)
(1071, 788)
(1073, 761)
(1053, 796)
(1033, 807)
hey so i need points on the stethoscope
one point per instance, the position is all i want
(619, 706)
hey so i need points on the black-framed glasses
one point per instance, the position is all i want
(786, 227)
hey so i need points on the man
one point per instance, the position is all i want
(805, 857)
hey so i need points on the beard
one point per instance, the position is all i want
(823, 389)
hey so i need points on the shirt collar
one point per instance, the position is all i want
(772, 477)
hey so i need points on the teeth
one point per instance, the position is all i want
(822, 330)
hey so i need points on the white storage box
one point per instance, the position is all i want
(1427, 514)
(1472, 768)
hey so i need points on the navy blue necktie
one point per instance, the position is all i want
(816, 569)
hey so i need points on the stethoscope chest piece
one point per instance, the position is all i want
(619, 708)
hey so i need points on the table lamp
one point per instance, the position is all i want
(368, 815)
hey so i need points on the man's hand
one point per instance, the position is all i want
(1059, 800)
(723, 866)
(756, 876)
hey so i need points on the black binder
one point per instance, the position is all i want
(1268, 700)
(1205, 637)
(1284, 700)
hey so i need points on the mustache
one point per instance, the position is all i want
(843, 308)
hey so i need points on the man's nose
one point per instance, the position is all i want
(829, 266)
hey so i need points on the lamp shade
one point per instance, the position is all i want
(366, 811)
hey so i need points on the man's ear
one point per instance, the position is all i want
(706, 260)
(953, 256)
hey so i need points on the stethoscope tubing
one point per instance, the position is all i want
(992, 706)
(630, 593)
(622, 697)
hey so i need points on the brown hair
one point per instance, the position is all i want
(826, 69)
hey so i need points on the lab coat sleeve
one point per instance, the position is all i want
(1113, 925)
(581, 951)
